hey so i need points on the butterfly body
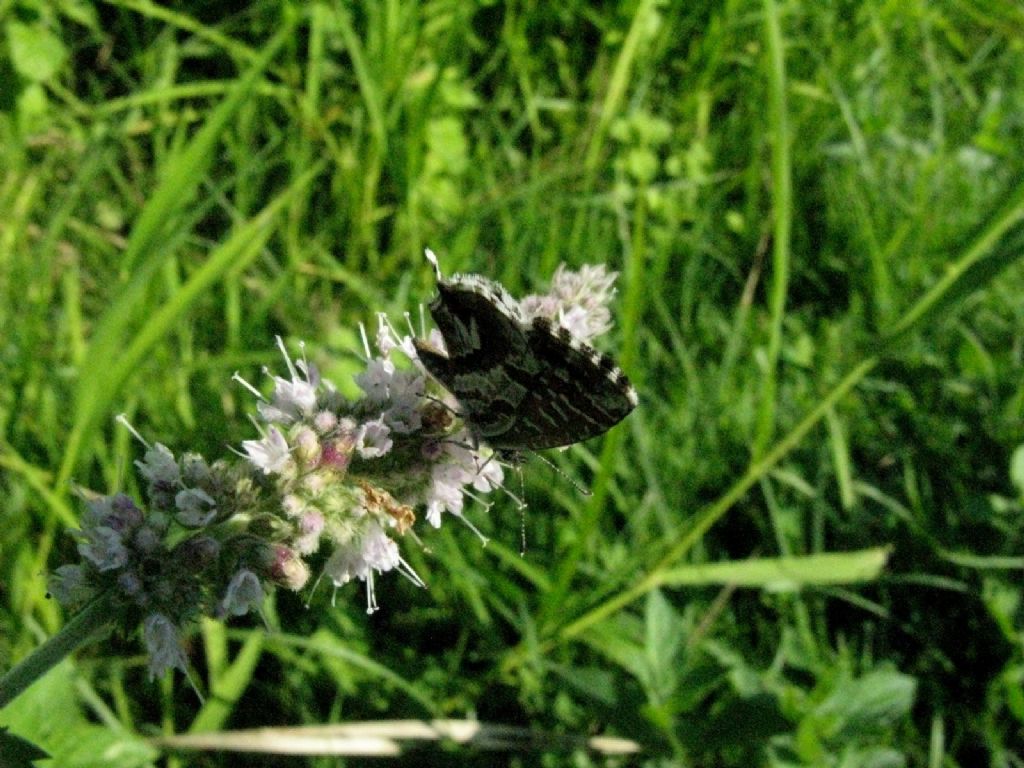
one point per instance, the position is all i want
(521, 384)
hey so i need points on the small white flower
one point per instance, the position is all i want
(387, 340)
(344, 564)
(292, 400)
(325, 421)
(195, 507)
(163, 644)
(270, 454)
(373, 439)
(578, 301)
(373, 551)
(104, 548)
(244, 594)
(159, 467)
(379, 552)
(403, 414)
(375, 381)
(444, 496)
(489, 476)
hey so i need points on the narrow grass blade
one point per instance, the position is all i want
(180, 20)
(232, 256)
(182, 179)
(980, 261)
(782, 217)
(229, 686)
(784, 574)
(327, 645)
(999, 243)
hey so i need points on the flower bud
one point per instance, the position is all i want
(194, 469)
(69, 585)
(123, 513)
(198, 553)
(325, 421)
(130, 583)
(147, 539)
(244, 594)
(195, 507)
(285, 567)
(307, 446)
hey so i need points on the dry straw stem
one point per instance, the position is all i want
(389, 738)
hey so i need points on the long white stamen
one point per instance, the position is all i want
(371, 597)
(287, 358)
(406, 570)
(122, 419)
(237, 377)
(485, 504)
(366, 342)
(305, 362)
(312, 590)
(483, 539)
(520, 504)
(408, 322)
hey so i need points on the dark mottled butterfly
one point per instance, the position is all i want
(521, 385)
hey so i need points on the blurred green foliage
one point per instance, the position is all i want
(181, 182)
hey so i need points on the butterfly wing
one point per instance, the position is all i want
(571, 392)
(520, 386)
(482, 333)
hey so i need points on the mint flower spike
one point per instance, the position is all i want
(190, 550)
(350, 472)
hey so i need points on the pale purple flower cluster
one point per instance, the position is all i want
(350, 472)
(577, 301)
(173, 559)
(326, 473)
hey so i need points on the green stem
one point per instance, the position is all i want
(86, 624)
(782, 215)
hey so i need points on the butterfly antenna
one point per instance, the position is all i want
(522, 513)
(559, 471)
(432, 258)
(520, 503)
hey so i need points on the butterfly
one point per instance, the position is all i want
(521, 385)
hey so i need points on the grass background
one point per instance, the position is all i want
(815, 209)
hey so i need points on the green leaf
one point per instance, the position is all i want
(16, 752)
(49, 714)
(663, 638)
(1017, 469)
(108, 360)
(784, 574)
(228, 687)
(36, 53)
(867, 704)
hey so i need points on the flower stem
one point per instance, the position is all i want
(86, 624)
